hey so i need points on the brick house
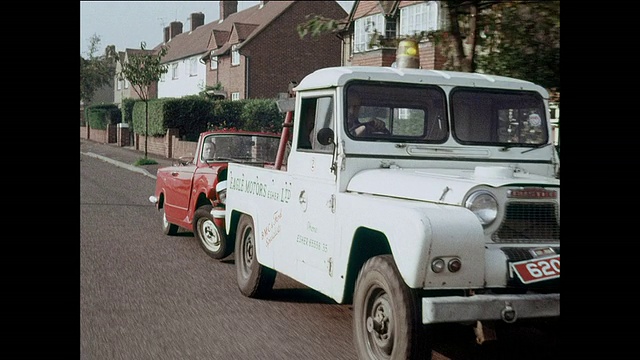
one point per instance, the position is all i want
(391, 19)
(257, 52)
(121, 88)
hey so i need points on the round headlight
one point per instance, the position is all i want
(484, 205)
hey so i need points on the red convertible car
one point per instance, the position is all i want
(190, 194)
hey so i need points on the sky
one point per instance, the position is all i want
(126, 24)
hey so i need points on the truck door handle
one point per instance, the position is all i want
(174, 173)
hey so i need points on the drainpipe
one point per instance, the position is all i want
(246, 77)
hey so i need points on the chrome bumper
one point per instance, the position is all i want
(509, 308)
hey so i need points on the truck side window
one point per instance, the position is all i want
(307, 122)
(324, 119)
(316, 113)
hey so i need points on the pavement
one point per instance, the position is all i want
(124, 156)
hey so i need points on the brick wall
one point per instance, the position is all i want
(169, 146)
(277, 55)
(431, 57)
(155, 145)
(379, 57)
(183, 148)
(96, 135)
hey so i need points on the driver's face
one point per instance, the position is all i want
(354, 108)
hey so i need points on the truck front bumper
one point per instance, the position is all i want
(509, 308)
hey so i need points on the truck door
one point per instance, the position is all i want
(313, 194)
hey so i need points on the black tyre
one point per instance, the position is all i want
(254, 280)
(211, 238)
(167, 227)
(387, 322)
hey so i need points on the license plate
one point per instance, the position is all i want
(535, 270)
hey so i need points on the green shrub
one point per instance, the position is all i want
(99, 116)
(190, 114)
(194, 114)
(262, 115)
(226, 114)
(156, 127)
(127, 110)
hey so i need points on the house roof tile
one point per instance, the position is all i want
(216, 34)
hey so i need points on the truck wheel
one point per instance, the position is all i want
(167, 227)
(211, 238)
(387, 321)
(254, 280)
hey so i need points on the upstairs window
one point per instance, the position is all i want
(214, 62)
(419, 17)
(174, 71)
(126, 83)
(364, 29)
(235, 56)
(193, 66)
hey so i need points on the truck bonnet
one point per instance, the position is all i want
(447, 186)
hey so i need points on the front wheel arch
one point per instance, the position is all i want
(366, 244)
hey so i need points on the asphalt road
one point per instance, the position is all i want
(145, 295)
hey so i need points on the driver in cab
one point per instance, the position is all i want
(355, 126)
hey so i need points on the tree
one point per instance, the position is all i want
(142, 69)
(96, 70)
(522, 40)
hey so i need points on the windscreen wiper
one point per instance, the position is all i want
(539, 146)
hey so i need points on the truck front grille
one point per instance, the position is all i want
(526, 222)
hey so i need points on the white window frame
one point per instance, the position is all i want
(214, 62)
(363, 31)
(174, 71)
(235, 96)
(419, 17)
(120, 84)
(193, 66)
(235, 56)
(126, 83)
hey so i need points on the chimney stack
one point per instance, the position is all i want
(175, 28)
(227, 8)
(166, 34)
(197, 19)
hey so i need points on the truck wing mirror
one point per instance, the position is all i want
(325, 136)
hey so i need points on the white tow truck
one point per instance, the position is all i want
(449, 213)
